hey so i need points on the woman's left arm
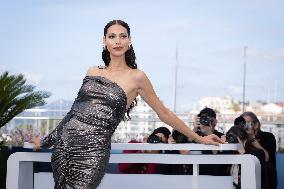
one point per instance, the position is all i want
(146, 91)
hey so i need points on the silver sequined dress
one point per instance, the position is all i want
(82, 139)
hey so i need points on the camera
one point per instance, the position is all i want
(205, 120)
(179, 137)
(153, 139)
(240, 121)
(231, 138)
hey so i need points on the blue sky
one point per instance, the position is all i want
(54, 42)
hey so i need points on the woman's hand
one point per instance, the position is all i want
(242, 147)
(171, 140)
(211, 139)
(257, 145)
(36, 141)
(196, 124)
(224, 139)
(250, 131)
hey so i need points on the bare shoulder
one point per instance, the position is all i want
(139, 75)
(140, 78)
(94, 70)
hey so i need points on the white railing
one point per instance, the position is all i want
(20, 168)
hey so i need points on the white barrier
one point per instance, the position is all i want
(20, 167)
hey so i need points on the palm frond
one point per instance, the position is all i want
(16, 96)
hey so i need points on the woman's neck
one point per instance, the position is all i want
(117, 64)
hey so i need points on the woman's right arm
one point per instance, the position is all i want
(146, 91)
(257, 145)
(252, 139)
(53, 137)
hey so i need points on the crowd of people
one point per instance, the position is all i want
(245, 131)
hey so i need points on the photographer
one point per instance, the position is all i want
(264, 141)
(239, 135)
(248, 126)
(204, 125)
(159, 135)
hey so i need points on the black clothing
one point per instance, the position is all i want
(268, 142)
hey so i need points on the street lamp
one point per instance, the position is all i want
(244, 77)
(175, 83)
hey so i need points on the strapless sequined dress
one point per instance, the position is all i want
(82, 139)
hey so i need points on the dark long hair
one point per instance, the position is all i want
(129, 56)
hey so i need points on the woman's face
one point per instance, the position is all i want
(117, 40)
(249, 121)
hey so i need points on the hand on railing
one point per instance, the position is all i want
(224, 139)
(171, 140)
(36, 141)
(211, 139)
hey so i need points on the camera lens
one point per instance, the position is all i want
(153, 139)
(205, 120)
(231, 138)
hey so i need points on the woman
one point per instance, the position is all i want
(266, 142)
(82, 140)
(238, 134)
(262, 140)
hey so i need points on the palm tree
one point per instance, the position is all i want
(16, 96)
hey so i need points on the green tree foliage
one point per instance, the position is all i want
(17, 96)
